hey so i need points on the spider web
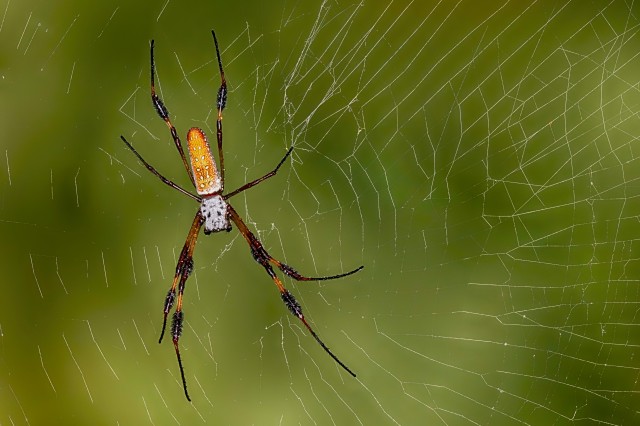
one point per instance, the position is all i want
(478, 159)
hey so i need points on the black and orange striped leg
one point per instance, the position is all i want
(221, 102)
(183, 270)
(265, 259)
(163, 112)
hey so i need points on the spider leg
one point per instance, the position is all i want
(155, 172)
(221, 102)
(260, 179)
(288, 270)
(183, 270)
(163, 112)
(263, 258)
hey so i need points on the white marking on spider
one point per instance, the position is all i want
(214, 211)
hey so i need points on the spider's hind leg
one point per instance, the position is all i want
(183, 270)
(265, 259)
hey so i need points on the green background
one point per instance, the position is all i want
(479, 159)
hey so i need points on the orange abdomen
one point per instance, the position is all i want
(205, 171)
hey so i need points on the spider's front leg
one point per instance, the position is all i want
(163, 112)
(183, 270)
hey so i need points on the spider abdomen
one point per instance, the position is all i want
(205, 171)
(214, 212)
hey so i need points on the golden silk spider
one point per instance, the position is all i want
(216, 214)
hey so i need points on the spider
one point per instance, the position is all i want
(216, 214)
